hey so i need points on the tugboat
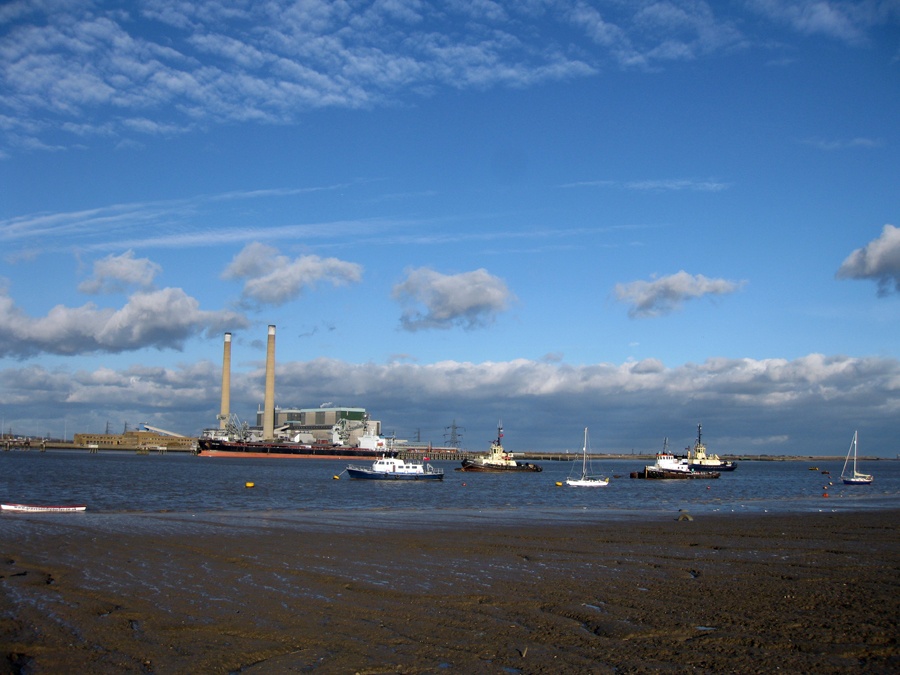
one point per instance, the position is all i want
(497, 459)
(669, 466)
(700, 461)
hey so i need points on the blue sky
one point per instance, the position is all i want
(631, 216)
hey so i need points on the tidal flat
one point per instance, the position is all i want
(743, 593)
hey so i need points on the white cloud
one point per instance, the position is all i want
(162, 319)
(858, 142)
(827, 18)
(115, 273)
(104, 72)
(99, 71)
(78, 61)
(159, 224)
(666, 294)
(677, 185)
(845, 21)
(879, 260)
(657, 185)
(470, 299)
(274, 279)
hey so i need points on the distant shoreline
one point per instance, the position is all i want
(525, 455)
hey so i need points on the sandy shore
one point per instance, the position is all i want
(813, 593)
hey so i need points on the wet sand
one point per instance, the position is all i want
(810, 593)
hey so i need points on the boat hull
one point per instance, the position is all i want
(37, 508)
(721, 466)
(587, 482)
(858, 481)
(663, 474)
(476, 467)
(368, 474)
(211, 448)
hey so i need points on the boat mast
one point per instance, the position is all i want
(584, 456)
(852, 451)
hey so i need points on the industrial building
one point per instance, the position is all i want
(137, 440)
(336, 425)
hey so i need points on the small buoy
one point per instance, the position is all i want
(558, 484)
(336, 477)
(249, 485)
(825, 495)
(708, 486)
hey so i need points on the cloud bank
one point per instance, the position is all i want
(808, 405)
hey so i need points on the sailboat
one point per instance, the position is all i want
(586, 479)
(854, 477)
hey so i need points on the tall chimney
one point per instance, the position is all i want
(269, 402)
(225, 410)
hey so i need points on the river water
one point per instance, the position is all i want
(182, 486)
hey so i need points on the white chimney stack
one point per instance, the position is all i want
(269, 402)
(225, 410)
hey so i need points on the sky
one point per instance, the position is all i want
(631, 216)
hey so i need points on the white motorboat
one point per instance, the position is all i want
(394, 468)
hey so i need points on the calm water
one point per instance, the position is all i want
(179, 487)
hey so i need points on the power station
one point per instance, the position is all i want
(326, 425)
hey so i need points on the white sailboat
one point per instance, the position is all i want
(586, 479)
(854, 477)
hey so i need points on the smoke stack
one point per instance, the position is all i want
(269, 402)
(225, 410)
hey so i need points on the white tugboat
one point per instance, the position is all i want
(669, 466)
(497, 460)
(700, 461)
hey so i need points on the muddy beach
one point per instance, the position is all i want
(802, 593)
